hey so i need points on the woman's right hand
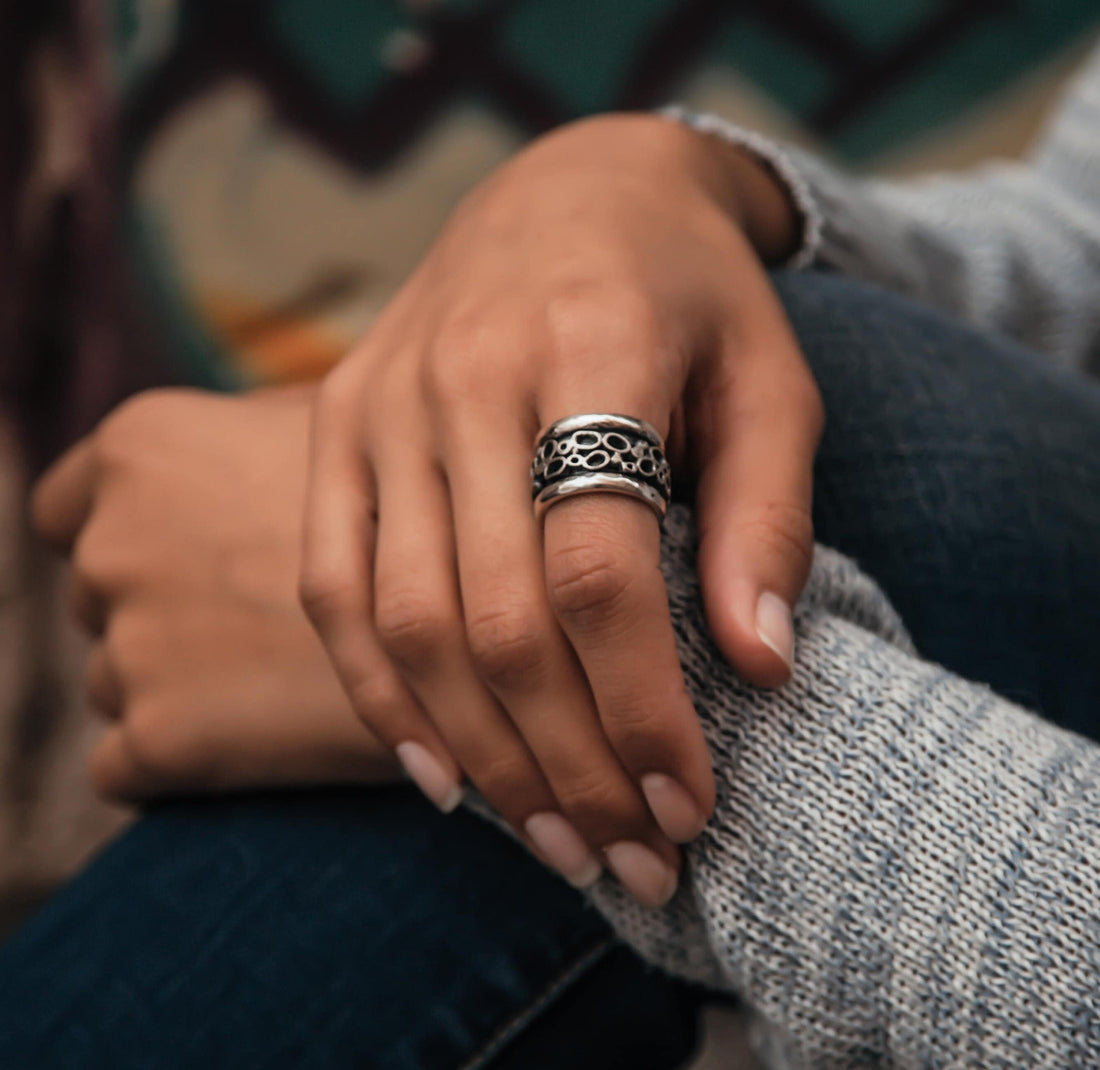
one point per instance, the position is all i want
(614, 266)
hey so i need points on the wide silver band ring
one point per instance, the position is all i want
(600, 452)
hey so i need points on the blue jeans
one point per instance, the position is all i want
(350, 928)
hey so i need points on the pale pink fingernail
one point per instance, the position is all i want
(562, 847)
(650, 880)
(429, 776)
(673, 807)
(775, 626)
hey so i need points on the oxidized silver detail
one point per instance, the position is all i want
(600, 452)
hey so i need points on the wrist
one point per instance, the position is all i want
(754, 195)
(770, 218)
(742, 183)
(667, 153)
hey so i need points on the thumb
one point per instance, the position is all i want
(753, 507)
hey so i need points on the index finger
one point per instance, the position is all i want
(62, 498)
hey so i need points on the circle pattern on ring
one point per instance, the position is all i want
(598, 449)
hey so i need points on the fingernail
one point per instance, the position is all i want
(673, 807)
(775, 626)
(650, 880)
(429, 776)
(562, 847)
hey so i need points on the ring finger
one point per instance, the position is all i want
(521, 653)
(602, 553)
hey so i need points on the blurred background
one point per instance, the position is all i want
(290, 160)
(225, 192)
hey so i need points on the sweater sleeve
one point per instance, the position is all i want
(1013, 247)
(903, 869)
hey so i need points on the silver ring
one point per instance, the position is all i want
(600, 452)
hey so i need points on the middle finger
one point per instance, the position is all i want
(418, 615)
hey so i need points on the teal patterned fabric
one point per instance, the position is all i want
(864, 74)
(366, 81)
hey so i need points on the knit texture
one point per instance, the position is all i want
(902, 870)
(1010, 246)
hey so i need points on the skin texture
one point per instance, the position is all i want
(182, 515)
(616, 265)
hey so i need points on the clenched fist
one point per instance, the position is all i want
(182, 515)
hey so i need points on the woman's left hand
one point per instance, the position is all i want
(182, 515)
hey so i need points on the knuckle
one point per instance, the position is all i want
(335, 391)
(466, 358)
(137, 647)
(97, 565)
(588, 583)
(618, 315)
(508, 647)
(160, 746)
(615, 329)
(379, 700)
(412, 627)
(783, 530)
(643, 735)
(325, 595)
(636, 726)
(505, 779)
(600, 806)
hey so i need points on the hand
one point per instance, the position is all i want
(607, 268)
(183, 515)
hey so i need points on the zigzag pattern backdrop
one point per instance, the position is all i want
(365, 76)
(290, 160)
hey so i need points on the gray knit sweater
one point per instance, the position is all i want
(903, 869)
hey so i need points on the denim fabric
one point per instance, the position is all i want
(321, 930)
(361, 929)
(962, 472)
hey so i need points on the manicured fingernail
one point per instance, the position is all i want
(429, 776)
(562, 847)
(673, 807)
(650, 880)
(775, 626)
